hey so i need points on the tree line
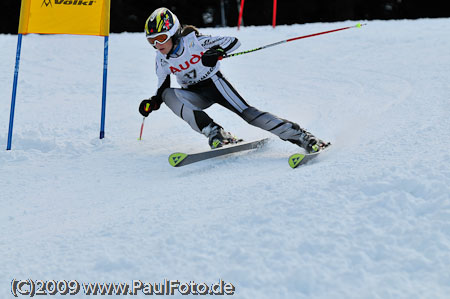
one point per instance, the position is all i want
(130, 15)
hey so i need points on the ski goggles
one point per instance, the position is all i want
(160, 38)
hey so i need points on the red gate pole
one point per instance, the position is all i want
(274, 18)
(240, 13)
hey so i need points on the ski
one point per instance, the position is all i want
(182, 159)
(298, 159)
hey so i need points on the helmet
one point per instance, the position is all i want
(162, 21)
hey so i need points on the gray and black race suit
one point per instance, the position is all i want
(204, 86)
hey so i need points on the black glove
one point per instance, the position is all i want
(149, 105)
(211, 56)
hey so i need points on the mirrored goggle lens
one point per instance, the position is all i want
(161, 39)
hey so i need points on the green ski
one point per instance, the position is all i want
(298, 159)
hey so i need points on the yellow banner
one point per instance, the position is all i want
(85, 17)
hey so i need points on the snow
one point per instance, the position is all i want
(368, 219)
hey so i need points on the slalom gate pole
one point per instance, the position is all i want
(14, 92)
(359, 25)
(274, 14)
(241, 10)
(105, 75)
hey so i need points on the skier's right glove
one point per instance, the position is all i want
(212, 55)
(147, 106)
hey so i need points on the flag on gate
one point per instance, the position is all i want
(85, 17)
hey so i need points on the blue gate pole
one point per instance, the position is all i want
(105, 75)
(13, 98)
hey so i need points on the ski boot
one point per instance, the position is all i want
(309, 142)
(217, 137)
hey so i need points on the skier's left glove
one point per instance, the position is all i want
(211, 56)
(149, 105)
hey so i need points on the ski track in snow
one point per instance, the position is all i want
(368, 219)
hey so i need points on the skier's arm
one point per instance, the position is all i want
(217, 47)
(149, 105)
(163, 74)
(227, 43)
(162, 85)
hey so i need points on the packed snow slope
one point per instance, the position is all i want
(368, 219)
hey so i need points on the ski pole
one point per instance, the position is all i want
(143, 120)
(142, 128)
(292, 39)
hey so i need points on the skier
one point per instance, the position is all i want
(194, 60)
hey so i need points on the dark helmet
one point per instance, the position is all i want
(160, 21)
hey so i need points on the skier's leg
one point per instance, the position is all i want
(188, 106)
(283, 128)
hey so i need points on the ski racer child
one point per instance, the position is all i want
(194, 60)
